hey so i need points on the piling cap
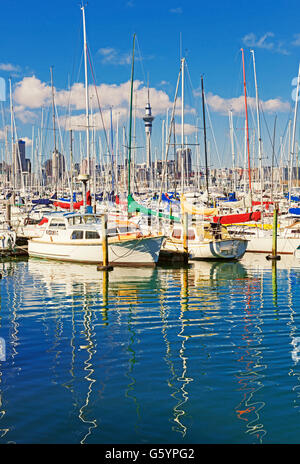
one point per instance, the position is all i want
(83, 177)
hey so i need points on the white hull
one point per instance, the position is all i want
(214, 249)
(286, 245)
(133, 252)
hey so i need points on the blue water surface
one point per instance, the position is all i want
(208, 354)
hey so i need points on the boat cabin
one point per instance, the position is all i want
(209, 231)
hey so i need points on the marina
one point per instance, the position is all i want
(149, 229)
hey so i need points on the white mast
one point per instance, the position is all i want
(258, 133)
(232, 149)
(293, 134)
(182, 124)
(86, 92)
(13, 173)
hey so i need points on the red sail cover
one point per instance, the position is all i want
(266, 203)
(238, 218)
(76, 205)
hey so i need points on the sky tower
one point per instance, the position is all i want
(148, 118)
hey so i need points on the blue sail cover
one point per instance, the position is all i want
(293, 198)
(295, 211)
(44, 201)
(164, 197)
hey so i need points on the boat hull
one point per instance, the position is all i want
(134, 252)
(211, 250)
(285, 246)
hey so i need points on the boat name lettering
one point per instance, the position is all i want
(52, 232)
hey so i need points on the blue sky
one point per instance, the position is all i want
(36, 35)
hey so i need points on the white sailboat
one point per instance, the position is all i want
(77, 237)
(206, 241)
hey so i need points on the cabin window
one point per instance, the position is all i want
(176, 233)
(77, 220)
(123, 230)
(111, 232)
(91, 234)
(57, 225)
(89, 219)
(77, 235)
(191, 234)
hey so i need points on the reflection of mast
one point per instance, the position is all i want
(184, 379)
(132, 362)
(249, 378)
(170, 363)
(90, 348)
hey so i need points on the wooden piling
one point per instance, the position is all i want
(185, 233)
(274, 255)
(105, 265)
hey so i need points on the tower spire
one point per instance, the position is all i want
(148, 118)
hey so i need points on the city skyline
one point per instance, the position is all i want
(186, 30)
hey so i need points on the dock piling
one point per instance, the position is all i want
(105, 265)
(274, 255)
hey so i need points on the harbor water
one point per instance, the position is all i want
(204, 354)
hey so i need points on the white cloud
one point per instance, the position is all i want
(296, 41)
(24, 115)
(250, 40)
(27, 140)
(9, 67)
(264, 42)
(188, 129)
(177, 10)
(237, 105)
(32, 93)
(114, 56)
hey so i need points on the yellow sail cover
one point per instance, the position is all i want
(191, 209)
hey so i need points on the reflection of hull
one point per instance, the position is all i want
(133, 252)
(210, 249)
(74, 275)
(258, 261)
(263, 244)
(219, 270)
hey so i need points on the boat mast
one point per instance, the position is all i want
(205, 145)
(182, 125)
(12, 137)
(293, 134)
(258, 133)
(247, 127)
(86, 92)
(232, 149)
(130, 122)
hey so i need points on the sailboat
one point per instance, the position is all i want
(206, 240)
(78, 237)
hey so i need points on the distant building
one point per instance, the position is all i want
(20, 164)
(58, 166)
(184, 155)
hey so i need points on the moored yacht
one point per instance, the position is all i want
(78, 237)
(206, 241)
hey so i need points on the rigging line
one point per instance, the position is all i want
(141, 60)
(212, 131)
(68, 113)
(100, 110)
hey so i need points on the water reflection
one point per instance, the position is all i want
(143, 353)
(250, 377)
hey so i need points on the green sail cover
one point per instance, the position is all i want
(133, 207)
